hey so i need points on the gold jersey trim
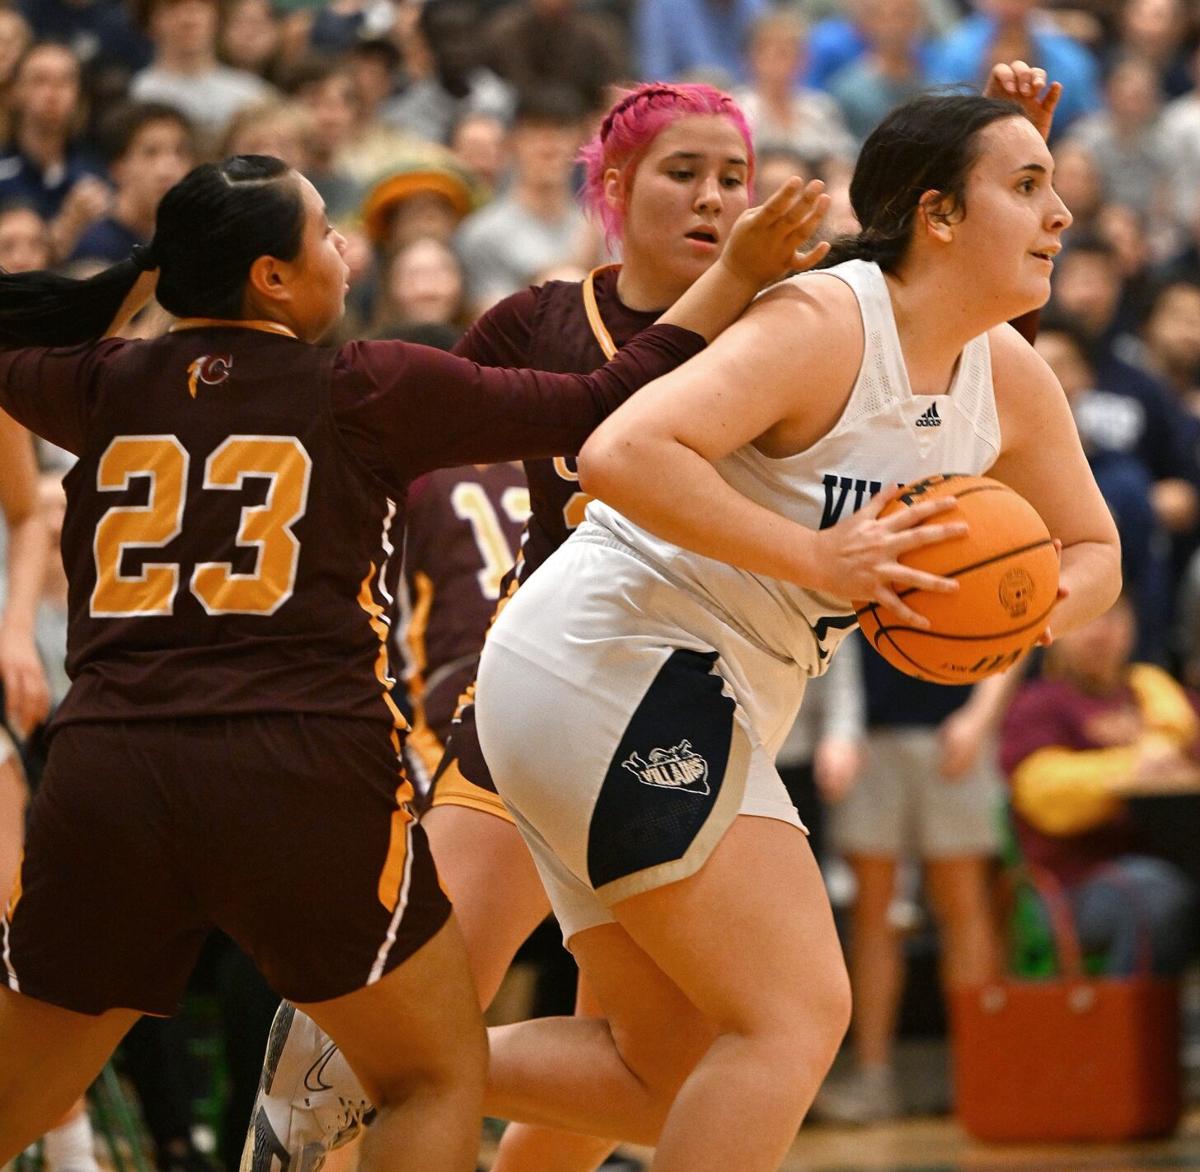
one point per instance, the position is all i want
(599, 329)
(265, 327)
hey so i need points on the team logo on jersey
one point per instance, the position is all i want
(930, 417)
(209, 369)
(675, 768)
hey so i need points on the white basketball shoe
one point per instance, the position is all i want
(309, 1101)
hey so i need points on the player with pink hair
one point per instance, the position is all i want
(667, 174)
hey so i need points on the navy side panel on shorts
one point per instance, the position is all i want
(664, 778)
(462, 745)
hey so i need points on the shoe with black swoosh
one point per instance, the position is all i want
(309, 1101)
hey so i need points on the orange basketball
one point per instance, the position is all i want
(1007, 571)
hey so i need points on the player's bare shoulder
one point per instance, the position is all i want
(1017, 368)
(813, 306)
(1028, 396)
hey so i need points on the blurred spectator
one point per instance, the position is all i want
(1126, 484)
(24, 703)
(274, 127)
(822, 755)
(186, 72)
(337, 28)
(101, 33)
(777, 107)
(480, 142)
(674, 38)
(889, 72)
(43, 163)
(459, 81)
(536, 222)
(774, 166)
(1095, 731)
(15, 39)
(423, 194)
(551, 41)
(1181, 137)
(149, 148)
(374, 65)
(1131, 236)
(841, 36)
(422, 284)
(1078, 180)
(347, 99)
(1125, 139)
(24, 239)
(1130, 411)
(327, 92)
(251, 38)
(1171, 336)
(927, 791)
(1011, 30)
(1158, 33)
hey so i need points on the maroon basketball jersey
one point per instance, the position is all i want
(548, 328)
(464, 527)
(226, 535)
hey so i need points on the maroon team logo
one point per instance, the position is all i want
(209, 369)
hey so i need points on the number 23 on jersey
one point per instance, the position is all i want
(267, 528)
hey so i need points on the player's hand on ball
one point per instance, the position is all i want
(767, 241)
(860, 558)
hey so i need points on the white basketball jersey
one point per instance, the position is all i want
(885, 435)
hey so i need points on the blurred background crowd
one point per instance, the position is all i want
(443, 136)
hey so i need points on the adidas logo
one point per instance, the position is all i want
(930, 418)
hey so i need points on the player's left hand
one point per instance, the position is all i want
(26, 693)
(1026, 85)
(767, 241)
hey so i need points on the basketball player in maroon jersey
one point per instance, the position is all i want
(462, 530)
(654, 193)
(228, 753)
(681, 164)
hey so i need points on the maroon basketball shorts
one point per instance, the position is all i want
(289, 832)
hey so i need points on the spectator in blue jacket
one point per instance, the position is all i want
(1008, 30)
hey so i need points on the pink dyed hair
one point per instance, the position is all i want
(629, 128)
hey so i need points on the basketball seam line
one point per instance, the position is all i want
(1008, 553)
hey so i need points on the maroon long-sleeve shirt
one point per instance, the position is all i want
(226, 536)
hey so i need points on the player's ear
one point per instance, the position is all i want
(268, 279)
(935, 213)
(614, 188)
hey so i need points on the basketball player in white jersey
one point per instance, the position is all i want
(633, 694)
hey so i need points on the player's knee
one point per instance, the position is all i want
(799, 1023)
(663, 1061)
(459, 1068)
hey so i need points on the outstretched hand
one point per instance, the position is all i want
(767, 241)
(1026, 85)
(861, 558)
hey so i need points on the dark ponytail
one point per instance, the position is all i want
(45, 309)
(210, 228)
(927, 144)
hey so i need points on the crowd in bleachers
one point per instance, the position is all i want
(442, 137)
(443, 134)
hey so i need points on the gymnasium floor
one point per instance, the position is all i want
(938, 1145)
(931, 1141)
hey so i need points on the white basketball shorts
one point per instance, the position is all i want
(626, 726)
